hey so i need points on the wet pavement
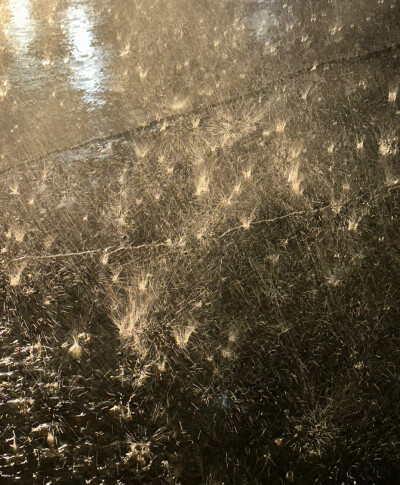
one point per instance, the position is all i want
(182, 182)
(79, 69)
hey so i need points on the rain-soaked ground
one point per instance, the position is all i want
(74, 70)
(199, 241)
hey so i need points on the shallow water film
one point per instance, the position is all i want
(199, 242)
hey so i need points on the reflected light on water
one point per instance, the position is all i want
(22, 27)
(87, 65)
(260, 21)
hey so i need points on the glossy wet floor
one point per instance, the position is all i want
(74, 70)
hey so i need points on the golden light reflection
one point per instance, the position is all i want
(22, 27)
(87, 60)
(260, 22)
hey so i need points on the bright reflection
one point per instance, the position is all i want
(22, 27)
(260, 21)
(87, 70)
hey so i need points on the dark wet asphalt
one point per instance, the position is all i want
(78, 69)
(74, 70)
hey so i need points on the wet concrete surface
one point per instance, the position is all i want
(79, 69)
(304, 152)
